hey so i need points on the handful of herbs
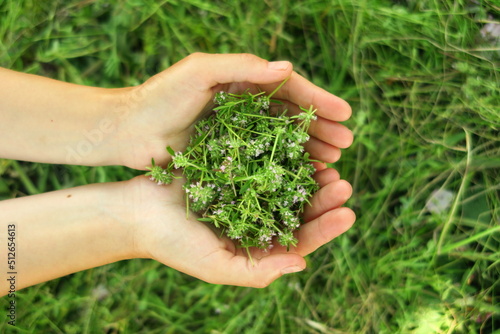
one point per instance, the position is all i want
(246, 170)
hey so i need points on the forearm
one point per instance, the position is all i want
(50, 121)
(63, 232)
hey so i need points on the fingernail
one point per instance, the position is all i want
(278, 65)
(290, 270)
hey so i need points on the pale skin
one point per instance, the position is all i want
(70, 230)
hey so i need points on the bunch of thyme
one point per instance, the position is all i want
(246, 170)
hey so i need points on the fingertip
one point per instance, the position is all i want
(335, 156)
(271, 267)
(346, 140)
(297, 264)
(324, 229)
(335, 175)
(348, 216)
(210, 70)
(319, 166)
(247, 67)
(322, 151)
(330, 196)
(347, 188)
(294, 268)
(334, 108)
(344, 111)
(326, 176)
(338, 221)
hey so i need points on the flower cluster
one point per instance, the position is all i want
(158, 174)
(246, 169)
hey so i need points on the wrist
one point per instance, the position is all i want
(100, 141)
(116, 202)
(121, 129)
(69, 230)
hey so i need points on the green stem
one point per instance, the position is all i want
(197, 167)
(278, 88)
(274, 147)
(250, 256)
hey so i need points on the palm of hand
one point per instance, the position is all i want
(164, 232)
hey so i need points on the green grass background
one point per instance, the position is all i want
(424, 86)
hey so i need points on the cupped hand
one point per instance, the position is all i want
(163, 110)
(165, 232)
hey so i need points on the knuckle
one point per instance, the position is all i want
(261, 284)
(264, 282)
(196, 56)
(249, 58)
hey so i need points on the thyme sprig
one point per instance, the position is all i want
(246, 169)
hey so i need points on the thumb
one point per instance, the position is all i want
(226, 268)
(209, 70)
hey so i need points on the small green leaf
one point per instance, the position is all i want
(170, 151)
(246, 186)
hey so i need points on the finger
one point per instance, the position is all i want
(329, 197)
(326, 176)
(322, 151)
(323, 229)
(319, 166)
(224, 267)
(332, 133)
(209, 70)
(304, 93)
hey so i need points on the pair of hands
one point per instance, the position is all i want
(163, 111)
(74, 229)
